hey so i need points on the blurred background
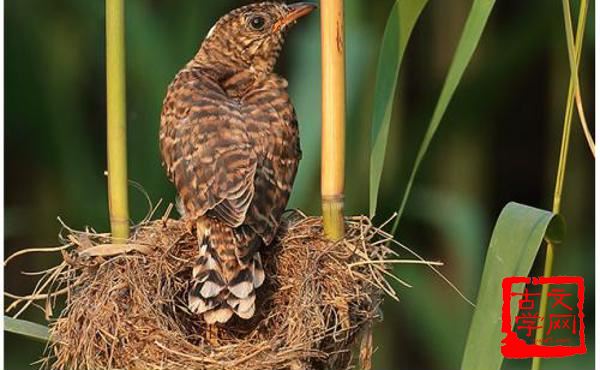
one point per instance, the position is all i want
(498, 142)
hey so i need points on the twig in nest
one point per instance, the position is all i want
(36, 250)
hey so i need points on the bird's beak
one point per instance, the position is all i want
(295, 12)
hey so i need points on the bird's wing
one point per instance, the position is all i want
(206, 150)
(273, 130)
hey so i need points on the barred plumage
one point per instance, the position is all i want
(229, 142)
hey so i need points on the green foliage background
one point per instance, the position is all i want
(498, 142)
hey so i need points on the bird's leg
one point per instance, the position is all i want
(212, 335)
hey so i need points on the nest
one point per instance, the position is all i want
(126, 309)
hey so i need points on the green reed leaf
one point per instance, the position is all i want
(398, 29)
(26, 328)
(517, 236)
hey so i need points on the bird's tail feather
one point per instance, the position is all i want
(226, 273)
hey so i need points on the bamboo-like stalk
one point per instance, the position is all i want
(116, 126)
(575, 57)
(334, 117)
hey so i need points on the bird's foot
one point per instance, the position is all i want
(189, 226)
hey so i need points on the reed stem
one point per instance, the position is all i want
(574, 56)
(116, 125)
(334, 116)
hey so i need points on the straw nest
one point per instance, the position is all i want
(125, 305)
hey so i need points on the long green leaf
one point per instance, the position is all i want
(476, 21)
(515, 242)
(26, 328)
(398, 29)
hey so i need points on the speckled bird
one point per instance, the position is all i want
(229, 142)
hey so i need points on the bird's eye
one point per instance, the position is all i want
(257, 22)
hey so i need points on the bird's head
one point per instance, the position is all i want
(252, 36)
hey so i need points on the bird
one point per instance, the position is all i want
(229, 141)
